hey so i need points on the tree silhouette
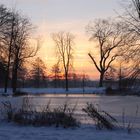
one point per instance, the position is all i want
(15, 31)
(131, 19)
(56, 74)
(109, 37)
(21, 47)
(7, 23)
(38, 72)
(64, 44)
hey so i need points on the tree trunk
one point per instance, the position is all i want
(9, 57)
(101, 79)
(120, 78)
(66, 82)
(14, 80)
(14, 76)
(6, 79)
(15, 71)
(7, 71)
(23, 83)
(120, 83)
(55, 80)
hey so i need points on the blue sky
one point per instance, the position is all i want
(66, 15)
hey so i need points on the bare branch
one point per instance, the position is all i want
(94, 62)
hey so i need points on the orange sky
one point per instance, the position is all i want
(81, 61)
(65, 15)
(82, 46)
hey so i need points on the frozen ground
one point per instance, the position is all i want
(112, 104)
(58, 90)
(14, 132)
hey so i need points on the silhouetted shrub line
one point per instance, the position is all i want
(20, 93)
(123, 92)
(59, 117)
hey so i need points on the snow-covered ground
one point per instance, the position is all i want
(15, 132)
(115, 105)
(58, 90)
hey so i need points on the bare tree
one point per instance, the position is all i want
(4, 18)
(6, 39)
(131, 18)
(15, 31)
(21, 46)
(64, 44)
(137, 6)
(109, 37)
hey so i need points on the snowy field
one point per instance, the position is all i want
(13, 132)
(115, 105)
(58, 90)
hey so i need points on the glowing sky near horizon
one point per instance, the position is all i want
(65, 15)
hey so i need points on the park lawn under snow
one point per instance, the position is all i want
(10, 131)
(87, 90)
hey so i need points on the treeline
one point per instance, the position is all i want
(115, 52)
(39, 77)
(16, 48)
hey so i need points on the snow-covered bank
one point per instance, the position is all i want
(58, 90)
(13, 132)
(114, 105)
(87, 131)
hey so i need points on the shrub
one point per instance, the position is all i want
(20, 93)
(109, 91)
(102, 119)
(62, 116)
(7, 110)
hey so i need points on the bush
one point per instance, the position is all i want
(62, 116)
(109, 91)
(102, 119)
(20, 93)
(7, 110)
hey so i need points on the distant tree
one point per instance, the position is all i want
(38, 72)
(23, 74)
(75, 78)
(56, 74)
(64, 43)
(110, 37)
(83, 82)
(114, 74)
